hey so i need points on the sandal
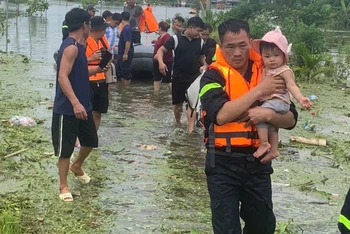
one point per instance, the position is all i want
(66, 197)
(84, 179)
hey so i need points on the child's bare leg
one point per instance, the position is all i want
(273, 139)
(263, 132)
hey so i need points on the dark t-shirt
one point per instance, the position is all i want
(187, 56)
(213, 100)
(168, 56)
(135, 13)
(209, 49)
(79, 79)
(125, 36)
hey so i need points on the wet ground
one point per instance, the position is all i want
(148, 176)
(162, 188)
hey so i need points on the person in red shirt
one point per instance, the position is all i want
(168, 58)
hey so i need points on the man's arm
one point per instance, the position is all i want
(127, 39)
(262, 115)
(169, 45)
(233, 110)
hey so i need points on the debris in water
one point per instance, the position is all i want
(15, 153)
(335, 195)
(168, 153)
(313, 97)
(308, 125)
(345, 133)
(149, 147)
(40, 219)
(22, 121)
(311, 141)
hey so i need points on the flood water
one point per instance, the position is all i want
(162, 190)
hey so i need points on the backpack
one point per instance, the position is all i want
(192, 96)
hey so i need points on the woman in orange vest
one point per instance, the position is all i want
(229, 91)
(96, 45)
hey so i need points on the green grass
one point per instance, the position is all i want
(9, 223)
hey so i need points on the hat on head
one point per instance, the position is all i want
(276, 37)
(98, 23)
(91, 8)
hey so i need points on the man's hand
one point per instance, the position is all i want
(96, 55)
(79, 111)
(153, 41)
(271, 85)
(125, 57)
(163, 68)
(256, 115)
(108, 66)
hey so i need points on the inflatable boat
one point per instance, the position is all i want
(142, 62)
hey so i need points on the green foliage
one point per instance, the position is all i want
(284, 228)
(37, 5)
(259, 26)
(9, 223)
(85, 3)
(342, 15)
(298, 32)
(309, 66)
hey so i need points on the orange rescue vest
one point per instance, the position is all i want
(234, 134)
(92, 47)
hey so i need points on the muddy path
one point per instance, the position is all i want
(148, 176)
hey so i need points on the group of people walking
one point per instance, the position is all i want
(244, 93)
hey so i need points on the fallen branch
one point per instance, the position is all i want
(15, 153)
(311, 141)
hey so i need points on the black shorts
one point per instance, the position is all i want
(65, 130)
(99, 97)
(158, 76)
(125, 67)
(179, 88)
(136, 35)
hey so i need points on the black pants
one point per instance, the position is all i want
(344, 219)
(234, 181)
(136, 36)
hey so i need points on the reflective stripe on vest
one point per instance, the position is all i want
(214, 57)
(92, 47)
(233, 134)
(343, 220)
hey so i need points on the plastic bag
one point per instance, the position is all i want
(22, 121)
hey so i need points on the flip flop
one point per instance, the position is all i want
(66, 197)
(84, 179)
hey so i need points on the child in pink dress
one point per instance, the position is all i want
(273, 48)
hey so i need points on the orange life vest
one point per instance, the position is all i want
(92, 47)
(234, 134)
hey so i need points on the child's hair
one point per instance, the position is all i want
(267, 46)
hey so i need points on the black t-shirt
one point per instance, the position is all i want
(213, 100)
(209, 49)
(187, 56)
